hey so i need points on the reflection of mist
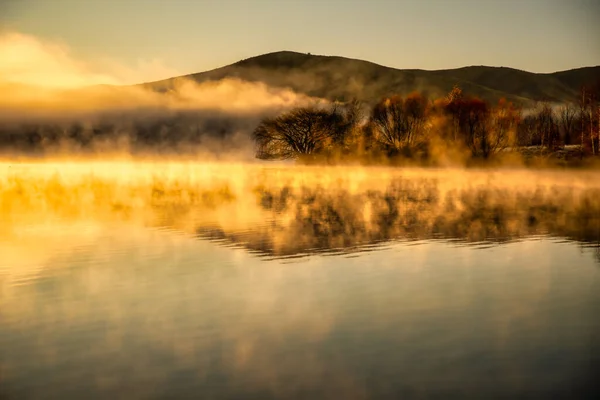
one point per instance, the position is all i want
(295, 211)
(90, 295)
(149, 313)
(318, 220)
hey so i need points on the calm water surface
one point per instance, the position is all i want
(244, 282)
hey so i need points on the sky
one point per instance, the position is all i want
(152, 39)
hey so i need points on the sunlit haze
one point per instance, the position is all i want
(196, 203)
(134, 40)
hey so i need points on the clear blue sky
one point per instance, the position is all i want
(196, 35)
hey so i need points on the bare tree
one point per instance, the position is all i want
(594, 115)
(586, 117)
(582, 113)
(484, 130)
(306, 131)
(546, 126)
(526, 131)
(598, 124)
(399, 123)
(567, 122)
(346, 119)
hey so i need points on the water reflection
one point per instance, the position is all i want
(106, 291)
(294, 212)
(139, 315)
(315, 220)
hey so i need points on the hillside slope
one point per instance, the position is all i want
(339, 78)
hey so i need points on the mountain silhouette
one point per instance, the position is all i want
(340, 78)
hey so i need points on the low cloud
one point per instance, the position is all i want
(28, 60)
(50, 99)
(43, 78)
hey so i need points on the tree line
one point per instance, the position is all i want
(175, 132)
(414, 126)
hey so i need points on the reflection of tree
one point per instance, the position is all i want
(275, 216)
(310, 220)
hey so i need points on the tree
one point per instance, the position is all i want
(589, 114)
(306, 131)
(582, 115)
(453, 101)
(455, 94)
(397, 123)
(546, 126)
(416, 108)
(471, 118)
(567, 122)
(483, 129)
(504, 121)
(474, 125)
(346, 119)
(526, 131)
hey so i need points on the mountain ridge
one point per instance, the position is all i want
(342, 78)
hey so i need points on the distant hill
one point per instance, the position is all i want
(339, 78)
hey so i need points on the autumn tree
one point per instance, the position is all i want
(483, 129)
(589, 117)
(503, 125)
(471, 118)
(399, 124)
(452, 106)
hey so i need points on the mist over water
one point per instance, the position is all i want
(262, 205)
(140, 279)
(145, 253)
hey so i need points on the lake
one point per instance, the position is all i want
(139, 279)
